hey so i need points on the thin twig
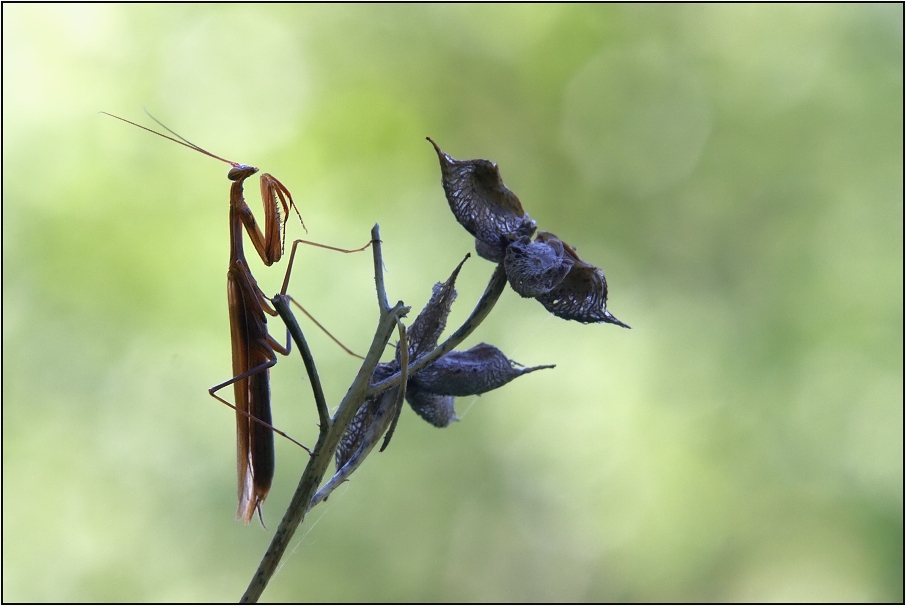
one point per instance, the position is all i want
(379, 269)
(282, 306)
(318, 463)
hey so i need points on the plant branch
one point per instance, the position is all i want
(379, 269)
(332, 430)
(281, 304)
(386, 414)
(330, 434)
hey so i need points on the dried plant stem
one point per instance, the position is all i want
(330, 431)
(388, 410)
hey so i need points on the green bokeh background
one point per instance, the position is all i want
(736, 170)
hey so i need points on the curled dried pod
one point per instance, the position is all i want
(483, 204)
(491, 252)
(471, 372)
(430, 391)
(535, 268)
(367, 417)
(582, 294)
(434, 408)
(431, 321)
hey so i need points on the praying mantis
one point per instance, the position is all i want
(253, 348)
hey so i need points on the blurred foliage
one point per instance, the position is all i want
(736, 170)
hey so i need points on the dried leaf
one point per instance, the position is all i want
(470, 373)
(535, 268)
(483, 204)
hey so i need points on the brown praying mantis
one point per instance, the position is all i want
(253, 348)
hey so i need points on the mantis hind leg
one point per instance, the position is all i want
(255, 439)
(263, 367)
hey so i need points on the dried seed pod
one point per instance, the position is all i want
(483, 204)
(430, 391)
(355, 431)
(471, 372)
(491, 252)
(582, 294)
(430, 323)
(368, 416)
(435, 409)
(535, 268)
